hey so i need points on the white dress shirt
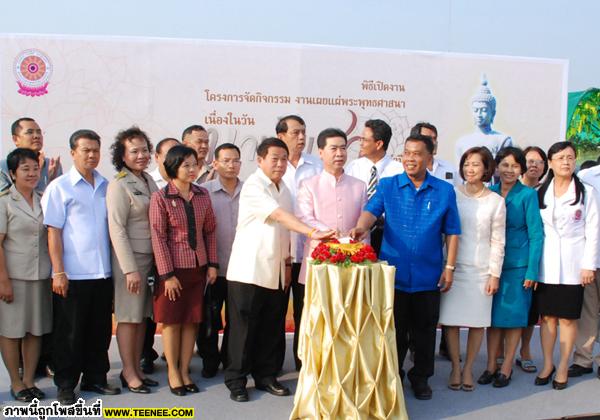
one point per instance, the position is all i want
(158, 179)
(361, 168)
(308, 166)
(78, 208)
(571, 236)
(261, 245)
(444, 170)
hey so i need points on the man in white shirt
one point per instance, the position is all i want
(74, 207)
(439, 168)
(162, 148)
(374, 165)
(258, 272)
(589, 323)
(300, 166)
(196, 137)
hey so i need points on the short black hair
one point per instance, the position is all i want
(18, 156)
(263, 148)
(486, 157)
(588, 164)
(540, 152)
(80, 134)
(175, 157)
(417, 128)
(191, 128)
(516, 153)
(227, 146)
(118, 147)
(328, 133)
(381, 131)
(164, 141)
(282, 126)
(16, 126)
(423, 139)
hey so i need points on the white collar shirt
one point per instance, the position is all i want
(308, 166)
(361, 168)
(261, 245)
(72, 204)
(158, 179)
(444, 170)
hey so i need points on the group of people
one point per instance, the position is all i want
(477, 248)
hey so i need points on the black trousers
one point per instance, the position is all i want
(148, 352)
(416, 317)
(254, 316)
(82, 332)
(208, 336)
(377, 236)
(297, 291)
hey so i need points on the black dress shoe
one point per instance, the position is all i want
(273, 387)
(191, 388)
(598, 372)
(66, 396)
(502, 380)
(559, 385)
(149, 382)
(576, 370)
(22, 396)
(37, 393)
(147, 366)
(544, 380)
(239, 395)
(421, 390)
(487, 377)
(179, 390)
(141, 389)
(102, 389)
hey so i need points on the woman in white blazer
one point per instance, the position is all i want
(569, 212)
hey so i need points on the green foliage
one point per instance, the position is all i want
(584, 127)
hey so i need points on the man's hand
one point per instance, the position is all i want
(60, 284)
(288, 277)
(211, 275)
(446, 280)
(53, 166)
(322, 234)
(358, 234)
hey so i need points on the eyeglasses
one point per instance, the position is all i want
(535, 162)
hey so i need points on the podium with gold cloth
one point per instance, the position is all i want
(348, 345)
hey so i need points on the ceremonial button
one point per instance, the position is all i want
(339, 216)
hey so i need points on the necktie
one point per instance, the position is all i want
(372, 186)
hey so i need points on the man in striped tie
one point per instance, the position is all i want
(374, 165)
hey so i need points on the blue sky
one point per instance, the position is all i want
(551, 28)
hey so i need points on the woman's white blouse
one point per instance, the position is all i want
(571, 236)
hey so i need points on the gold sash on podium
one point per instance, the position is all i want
(348, 345)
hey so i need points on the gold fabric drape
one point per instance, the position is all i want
(348, 345)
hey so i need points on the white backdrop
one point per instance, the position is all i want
(239, 89)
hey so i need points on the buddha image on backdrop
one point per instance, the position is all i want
(483, 107)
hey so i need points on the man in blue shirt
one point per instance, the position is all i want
(74, 208)
(419, 209)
